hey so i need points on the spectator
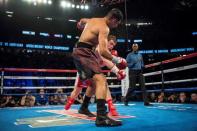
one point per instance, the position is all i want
(152, 97)
(172, 98)
(193, 98)
(161, 97)
(42, 98)
(182, 98)
(51, 100)
(8, 101)
(59, 97)
(28, 100)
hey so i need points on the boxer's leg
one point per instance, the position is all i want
(101, 92)
(111, 107)
(84, 107)
(74, 93)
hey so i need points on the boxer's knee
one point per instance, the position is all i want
(99, 78)
(100, 83)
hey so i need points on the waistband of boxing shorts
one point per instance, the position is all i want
(84, 45)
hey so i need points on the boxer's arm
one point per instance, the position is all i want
(81, 24)
(83, 21)
(103, 41)
(119, 73)
(109, 64)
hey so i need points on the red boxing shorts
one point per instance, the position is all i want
(82, 84)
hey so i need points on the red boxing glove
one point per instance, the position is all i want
(121, 63)
(114, 52)
(121, 74)
(80, 26)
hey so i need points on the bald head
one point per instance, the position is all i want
(135, 47)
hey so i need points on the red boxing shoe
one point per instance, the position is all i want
(111, 108)
(70, 101)
(113, 112)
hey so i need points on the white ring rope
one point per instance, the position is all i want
(49, 87)
(111, 86)
(109, 78)
(47, 78)
(172, 70)
(171, 82)
(112, 78)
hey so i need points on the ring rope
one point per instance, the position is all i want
(117, 92)
(49, 87)
(47, 78)
(172, 70)
(172, 60)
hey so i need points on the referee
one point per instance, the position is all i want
(136, 65)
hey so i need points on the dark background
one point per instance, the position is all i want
(173, 22)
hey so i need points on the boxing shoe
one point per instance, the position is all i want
(113, 112)
(105, 121)
(111, 108)
(86, 112)
(70, 101)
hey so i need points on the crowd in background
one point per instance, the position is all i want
(181, 97)
(61, 60)
(59, 97)
(31, 98)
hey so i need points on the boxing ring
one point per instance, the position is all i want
(160, 116)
